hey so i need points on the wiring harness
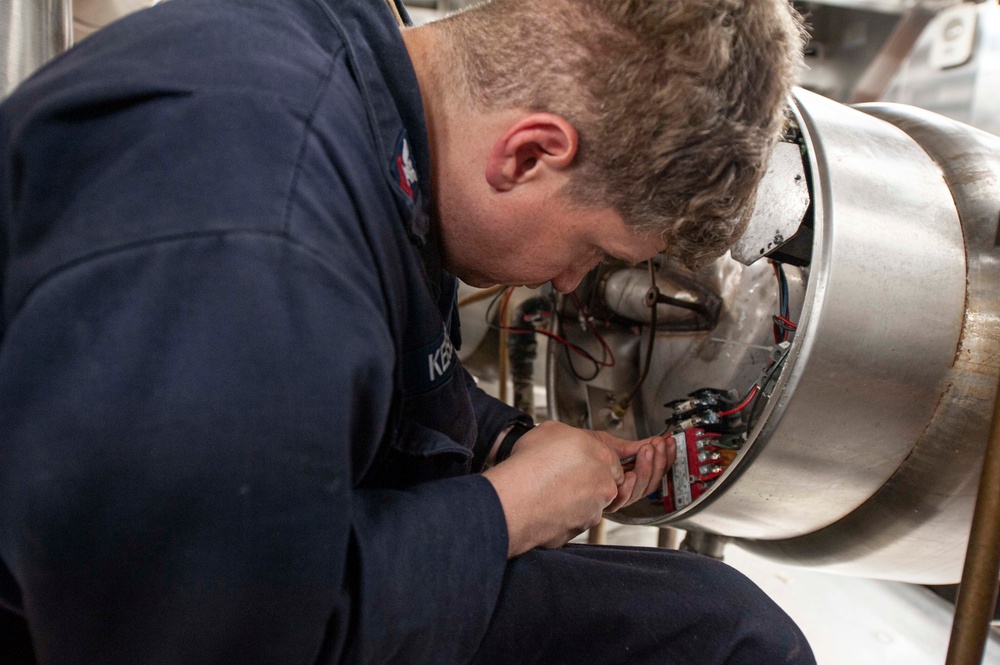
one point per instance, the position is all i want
(709, 426)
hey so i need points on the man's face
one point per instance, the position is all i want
(537, 243)
(501, 211)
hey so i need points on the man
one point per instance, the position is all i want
(234, 426)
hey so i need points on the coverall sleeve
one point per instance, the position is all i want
(492, 416)
(179, 419)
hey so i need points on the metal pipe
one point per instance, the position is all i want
(598, 535)
(977, 594)
(669, 538)
(880, 72)
(31, 33)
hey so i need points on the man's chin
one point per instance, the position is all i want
(477, 282)
(481, 282)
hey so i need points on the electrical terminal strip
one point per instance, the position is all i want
(710, 427)
(699, 461)
(722, 409)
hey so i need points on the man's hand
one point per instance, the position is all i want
(652, 458)
(560, 480)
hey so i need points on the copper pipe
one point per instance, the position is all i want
(669, 538)
(977, 594)
(598, 535)
(503, 353)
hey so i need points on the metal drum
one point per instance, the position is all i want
(865, 455)
(916, 526)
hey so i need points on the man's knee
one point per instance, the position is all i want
(759, 630)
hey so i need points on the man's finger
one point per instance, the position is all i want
(643, 472)
(618, 473)
(659, 464)
(624, 493)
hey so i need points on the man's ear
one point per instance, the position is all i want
(535, 142)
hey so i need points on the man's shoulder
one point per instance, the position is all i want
(280, 48)
(203, 117)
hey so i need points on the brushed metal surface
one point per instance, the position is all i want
(915, 527)
(866, 457)
(31, 33)
(878, 333)
(782, 201)
(969, 91)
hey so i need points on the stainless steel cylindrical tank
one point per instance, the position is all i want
(31, 33)
(919, 519)
(865, 456)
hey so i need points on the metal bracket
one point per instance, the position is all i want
(782, 201)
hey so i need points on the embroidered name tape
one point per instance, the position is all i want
(429, 366)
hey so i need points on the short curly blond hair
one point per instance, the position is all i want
(677, 103)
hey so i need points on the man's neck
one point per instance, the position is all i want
(424, 48)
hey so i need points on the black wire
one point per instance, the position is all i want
(762, 393)
(572, 367)
(626, 401)
(569, 358)
(784, 290)
(784, 326)
(514, 330)
(719, 444)
(779, 272)
(525, 331)
(489, 309)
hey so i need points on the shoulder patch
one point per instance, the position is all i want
(403, 168)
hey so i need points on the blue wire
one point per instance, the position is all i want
(784, 290)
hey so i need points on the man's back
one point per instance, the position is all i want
(210, 290)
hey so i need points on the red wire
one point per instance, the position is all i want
(780, 334)
(742, 405)
(503, 306)
(572, 347)
(786, 322)
(607, 352)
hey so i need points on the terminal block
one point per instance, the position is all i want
(701, 458)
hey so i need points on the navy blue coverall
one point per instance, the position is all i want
(233, 428)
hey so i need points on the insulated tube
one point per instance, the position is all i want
(32, 32)
(523, 348)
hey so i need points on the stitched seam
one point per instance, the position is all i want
(306, 133)
(162, 240)
(353, 61)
